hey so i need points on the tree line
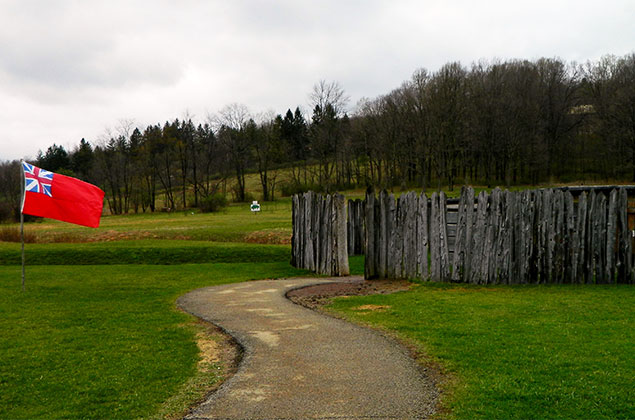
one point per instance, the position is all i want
(499, 122)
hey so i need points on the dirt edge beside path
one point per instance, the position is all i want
(316, 296)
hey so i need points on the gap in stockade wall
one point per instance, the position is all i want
(533, 236)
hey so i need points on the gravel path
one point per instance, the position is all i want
(300, 364)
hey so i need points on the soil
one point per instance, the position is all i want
(314, 297)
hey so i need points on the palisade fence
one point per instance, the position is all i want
(540, 236)
(319, 241)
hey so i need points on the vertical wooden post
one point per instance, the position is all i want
(601, 273)
(340, 234)
(624, 256)
(581, 233)
(435, 267)
(558, 229)
(311, 231)
(479, 258)
(461, 243)
(572, 241)
(443, 238)
(491, 246)
(392, 237)
(611, 233)
(410, 242)
(590, 238)
(383, 234)
(422, 237)
(370, 251)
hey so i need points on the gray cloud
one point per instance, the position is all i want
(70, 68)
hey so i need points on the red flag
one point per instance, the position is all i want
(61, 197)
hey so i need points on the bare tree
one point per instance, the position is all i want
(329, 93)
(230, 123)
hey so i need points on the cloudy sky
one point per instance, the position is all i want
(77, 69)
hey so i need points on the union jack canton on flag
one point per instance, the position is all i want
(37, 180)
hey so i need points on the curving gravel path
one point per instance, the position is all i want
(300, 364)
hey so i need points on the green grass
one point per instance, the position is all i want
(102, 341)
(556, 352)
(148, 251)
(235, 224)
(93, 338)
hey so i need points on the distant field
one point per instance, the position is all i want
(533, 352)
(235, 224)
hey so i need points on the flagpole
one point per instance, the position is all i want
(22, 221)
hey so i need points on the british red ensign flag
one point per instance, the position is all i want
(60, 197)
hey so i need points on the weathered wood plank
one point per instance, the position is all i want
(458, 263)
(611, 237)
(469, 231)
(492, 235)
(443, 238)
(625, 255)
(478, 242)
(558, 230)
(341, 239)
(571, 240)
(410, 244)
(422, 237)
(591, 238)
(391, 234)
(435, 257)
(580, 252)
(601, 275)
(370, 266)
(383, 234)
(505, 241)
(317, 233)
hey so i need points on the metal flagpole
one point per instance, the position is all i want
(22, 220)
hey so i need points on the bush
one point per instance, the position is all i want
(249, 197)
(213, 203)
(290, 188)
(7, 212)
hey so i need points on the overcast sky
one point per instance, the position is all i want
(76, 69)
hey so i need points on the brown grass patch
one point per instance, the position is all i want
(372, 308)
(270, 236)
(12, 234)
(209, 350)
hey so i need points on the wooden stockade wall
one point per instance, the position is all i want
(539, 236)
(406, 237)
(319, 241)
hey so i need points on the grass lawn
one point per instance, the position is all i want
(97, 334)
(533, 352)
(234, 224)
(148, 251)
(102, 341)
